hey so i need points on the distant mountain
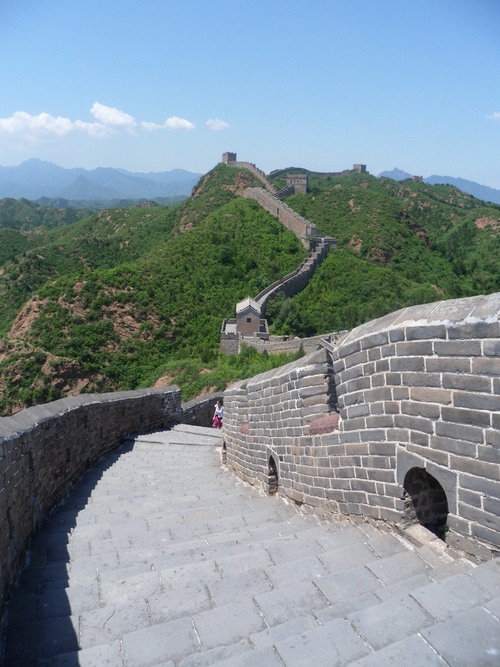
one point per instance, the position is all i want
(482, 192)
(396, 174)
(35, 178)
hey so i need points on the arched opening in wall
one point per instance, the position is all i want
(425, 501)
(272, 476)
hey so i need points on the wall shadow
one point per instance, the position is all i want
(40, 620)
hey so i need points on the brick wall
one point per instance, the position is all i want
(287, 216)
(417, 389)
(297, 280)
(44, 449)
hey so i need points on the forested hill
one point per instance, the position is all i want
(128, 297)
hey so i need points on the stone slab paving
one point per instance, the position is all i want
(161, 556)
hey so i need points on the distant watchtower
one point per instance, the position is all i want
(298, 181)
(359, 168)
(229, 157)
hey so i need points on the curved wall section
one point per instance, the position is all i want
(419, 388)
(45, 448)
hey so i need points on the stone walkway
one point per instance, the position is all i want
(161, 556)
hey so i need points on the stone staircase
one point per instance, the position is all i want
(160, 555)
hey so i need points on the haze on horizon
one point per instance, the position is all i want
(321, 85)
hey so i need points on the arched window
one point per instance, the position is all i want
(425, 501)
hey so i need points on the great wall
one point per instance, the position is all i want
(396, 422)
(250, 326)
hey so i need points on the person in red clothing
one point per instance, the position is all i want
(218, 414)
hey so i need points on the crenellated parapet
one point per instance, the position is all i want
(399, 422)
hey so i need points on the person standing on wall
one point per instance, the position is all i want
(218, 414)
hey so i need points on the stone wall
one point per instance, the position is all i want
(278, 344)
(44, 449)
(416, 390)
(297, 280)
(255, 171)
(287, 216)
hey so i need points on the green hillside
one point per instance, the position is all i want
(24, 214)
(398, 245)
(128, 297)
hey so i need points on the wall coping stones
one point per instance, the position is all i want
(470, 310)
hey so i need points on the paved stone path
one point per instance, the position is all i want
(161, 556)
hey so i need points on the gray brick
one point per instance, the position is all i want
(374, 354)
(463, 416)
(448, 365)
(492, 348)
(477, 468)
(469, 498)
(418, 438)
(404, 364)
(458, 348)
(431, 395)
(431, 411)
(416, 423)
(348, 349)
(396, 335)
(393, 379)
(378, 394)
(493, 438)
(489, 535)
(354, 424)
(378, 421)
(373, 435)
(489, 453)
(417, 348)
(358, 384)
(382, 448)
(423, 332)
(460, 431)
(375, 340)
(475, 330)
(467, 382)
(477, 401)
(486, 366)
(454, 446)
(492, 506)
(479, 485)
(421, 379)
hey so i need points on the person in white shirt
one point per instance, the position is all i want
(218, 414)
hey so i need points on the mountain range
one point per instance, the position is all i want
(134, 296)
(482, 192)
(34, 179)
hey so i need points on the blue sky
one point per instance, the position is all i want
(156, 85)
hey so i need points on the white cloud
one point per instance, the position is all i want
(24, 123)
(108, 121)
(112, 116)
(150, 127)
(216, 124)
(175, 123)
(172, 123)
(494, 116)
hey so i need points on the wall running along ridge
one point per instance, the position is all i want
(289, 218)
(416, 390)
(45, 449)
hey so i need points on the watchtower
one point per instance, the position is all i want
(298, 181)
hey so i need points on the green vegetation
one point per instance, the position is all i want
(399, 244)
(128, 297)
(24, 214)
